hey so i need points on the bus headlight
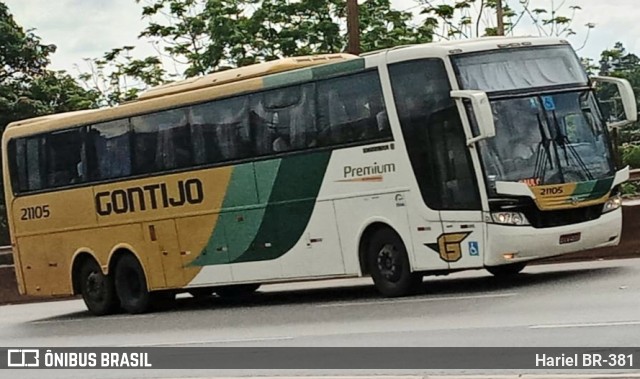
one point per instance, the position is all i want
(612, 204)
(509, 218)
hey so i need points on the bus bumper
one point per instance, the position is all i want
(510, 244)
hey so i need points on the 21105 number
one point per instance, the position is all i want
(35, 213)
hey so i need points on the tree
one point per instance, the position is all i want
(27, 87)
(618, 62)
(475, 18)
(203, 36)
(118, 77)
(200, 34)
(315, 27)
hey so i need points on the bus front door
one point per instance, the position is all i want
(461, 243)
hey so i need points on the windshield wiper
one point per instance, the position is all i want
(563, 141)
(543, 153)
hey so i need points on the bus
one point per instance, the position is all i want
(412, 161)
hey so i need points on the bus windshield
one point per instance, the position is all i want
(547, 139)
(520, 68)
(549, 129)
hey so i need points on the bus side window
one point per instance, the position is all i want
(351, 109)
(220, 130)
(162, 141)
(64, 158)
(109, 150)
(35, 163)
(18, 164)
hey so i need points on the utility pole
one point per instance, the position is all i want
(353, 28)
(500, 15)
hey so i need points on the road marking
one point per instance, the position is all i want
(204, 342)
(585, 325)
(418, 300)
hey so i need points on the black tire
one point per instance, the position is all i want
(389, 265)
(98, 290)
(131, 285)
(236, 291)
(507, 271)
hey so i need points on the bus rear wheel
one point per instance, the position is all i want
(506, 271)
(98, 290)
(389, 265)
(131, 285)
(236, 291)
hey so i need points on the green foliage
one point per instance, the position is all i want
(629, 188)
(622, 64)
(117, 77)
(631, 155)
(28, 88)
(204, 36)
(209, 35)
(468, 18)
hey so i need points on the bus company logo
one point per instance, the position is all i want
(449, 246)
(23, 358)
(574, 200)
(152, 196)
(372, 173)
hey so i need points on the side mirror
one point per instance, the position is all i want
(481, 110)
(626, 95)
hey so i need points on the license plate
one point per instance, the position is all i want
(569, 238)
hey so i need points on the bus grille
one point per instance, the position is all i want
(550, 219)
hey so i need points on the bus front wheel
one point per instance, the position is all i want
(131, 285)
(389, 265)
(506, 271)
(98, 291)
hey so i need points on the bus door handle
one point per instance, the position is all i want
(53, 264)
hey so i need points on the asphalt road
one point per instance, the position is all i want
(577, 304)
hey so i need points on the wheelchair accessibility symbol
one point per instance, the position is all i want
(474, 250)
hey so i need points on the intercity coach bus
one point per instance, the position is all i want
(411, 161)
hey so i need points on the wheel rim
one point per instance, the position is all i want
(95, 286)
(389, 263)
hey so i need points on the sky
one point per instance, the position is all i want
(88, 28)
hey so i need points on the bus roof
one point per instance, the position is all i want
(249, 78)
(243, 73)
(155, 95)
(475, 44)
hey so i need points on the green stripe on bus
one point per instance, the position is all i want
(286, 78)
(264, 218)
(344, 67)
(241, 214)
(593, 189)
(290, 206)
(315, 72)
(242, 226)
